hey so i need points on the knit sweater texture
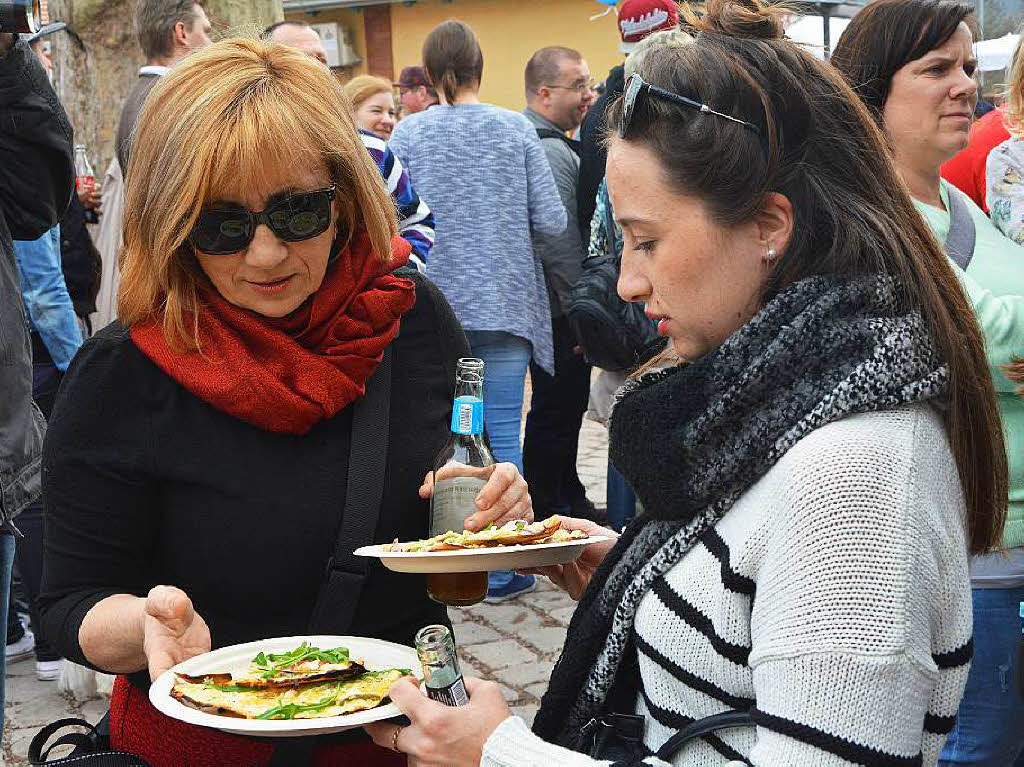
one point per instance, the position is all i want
(994, 283)
(483, 172)
(832, 600)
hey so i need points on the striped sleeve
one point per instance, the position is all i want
(861, 624)
(415, 221)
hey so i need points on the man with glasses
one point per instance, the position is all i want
(559, 91)
(417, 94)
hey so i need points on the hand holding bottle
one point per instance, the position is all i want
(504, 496)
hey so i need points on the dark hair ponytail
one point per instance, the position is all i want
(821, 149)
(452, 58)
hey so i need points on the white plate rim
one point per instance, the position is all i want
(375, 549)
(160, 689)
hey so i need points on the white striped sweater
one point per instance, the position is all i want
(833, 601)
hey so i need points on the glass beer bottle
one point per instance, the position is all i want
(460, 472)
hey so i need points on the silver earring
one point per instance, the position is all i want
(769, 256)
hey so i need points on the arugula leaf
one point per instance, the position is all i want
(289, 710)
(277, 662)
(260, 660)
(226, 687)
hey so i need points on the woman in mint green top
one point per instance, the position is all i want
(918, 83)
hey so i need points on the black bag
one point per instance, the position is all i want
(614, 334)
(619, 737)
(92, 747)
(335, 605)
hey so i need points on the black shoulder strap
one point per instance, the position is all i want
(336, 603)
(573, 144)
(961, 237)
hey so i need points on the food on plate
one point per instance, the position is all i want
(305, 683)
(515, 533)
(303, 665)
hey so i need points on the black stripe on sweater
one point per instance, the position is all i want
(731, 579)
(677, 721)
(939, 725)
(738, 654)
(691, 680)
(957, 657)
(841, 747)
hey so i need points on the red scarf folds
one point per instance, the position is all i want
(286, 375)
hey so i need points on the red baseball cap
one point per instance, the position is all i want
(639, 18)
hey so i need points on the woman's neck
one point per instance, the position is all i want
(922, 177)
(462, 96)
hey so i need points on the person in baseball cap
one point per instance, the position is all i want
(639, 18)
(416, 91)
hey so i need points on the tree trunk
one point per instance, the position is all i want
(97, 59)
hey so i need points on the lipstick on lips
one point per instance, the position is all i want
(662, 322)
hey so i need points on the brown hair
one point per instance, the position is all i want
(1013, 116)
(211, 126)
(154, 24)
(886, 36)
(545, 65)
(452, 58)
(820, 148)
(362, 87)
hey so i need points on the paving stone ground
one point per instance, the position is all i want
(515, 643)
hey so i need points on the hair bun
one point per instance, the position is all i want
(743, 18)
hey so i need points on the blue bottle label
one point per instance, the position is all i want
(468, 415)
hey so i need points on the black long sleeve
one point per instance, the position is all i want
(37, 168)
(145, 484)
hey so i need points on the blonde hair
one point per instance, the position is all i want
(362, 87)
(1013, 116)
(214, 125)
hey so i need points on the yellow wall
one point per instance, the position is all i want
(346, 17)
(509, 32)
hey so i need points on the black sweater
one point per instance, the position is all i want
(146, 484)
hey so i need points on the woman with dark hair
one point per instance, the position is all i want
(912, 63)
(484, 174)
(824, 435)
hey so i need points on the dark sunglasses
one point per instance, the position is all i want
(637, 89)
(226, 228)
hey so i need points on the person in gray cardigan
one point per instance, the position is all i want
(558, 95)
(482, 171)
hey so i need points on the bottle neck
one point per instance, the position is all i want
(468, 408)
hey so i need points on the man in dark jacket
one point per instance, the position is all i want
(37, 176)
(168, 31)
(637, 20)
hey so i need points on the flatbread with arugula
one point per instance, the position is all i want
(515, 533)
(305, 683)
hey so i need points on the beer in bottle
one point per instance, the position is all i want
(460, 472)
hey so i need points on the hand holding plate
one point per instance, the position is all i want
(574, 576)
(173, 631)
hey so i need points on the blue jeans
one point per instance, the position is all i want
(990, 723)
(6, 560)
(621, 499)
(506, 358)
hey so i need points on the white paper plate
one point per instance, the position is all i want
(479, 560)
(376, 654)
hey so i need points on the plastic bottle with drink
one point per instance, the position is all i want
(460, 472)
(85, 179)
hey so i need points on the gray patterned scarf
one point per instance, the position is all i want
(691, 440)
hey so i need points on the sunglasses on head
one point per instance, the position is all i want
(226, 228)
(637, 90)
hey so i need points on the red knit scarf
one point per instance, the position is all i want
(287, 374)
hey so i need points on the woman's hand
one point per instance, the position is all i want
(173, 631)
(574, 577)
(504, 496)
(439, 735)
(92, 197)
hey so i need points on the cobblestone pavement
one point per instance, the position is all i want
(514, 643)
